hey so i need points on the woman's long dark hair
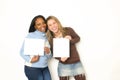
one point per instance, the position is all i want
(32, 28)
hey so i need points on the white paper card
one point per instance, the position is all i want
(34, 46)
(61, 47)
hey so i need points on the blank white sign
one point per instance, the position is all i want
(34, 46)
(61, 47)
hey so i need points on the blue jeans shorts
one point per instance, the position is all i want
(70, 69)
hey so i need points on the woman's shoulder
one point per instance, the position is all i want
(68, 28)
(29, 35)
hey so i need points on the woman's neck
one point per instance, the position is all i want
(58, 34)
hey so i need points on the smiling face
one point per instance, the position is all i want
(52, 25)
(40, 25)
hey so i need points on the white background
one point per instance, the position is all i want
(96, 21)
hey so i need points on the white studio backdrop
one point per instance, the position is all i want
(96, 21)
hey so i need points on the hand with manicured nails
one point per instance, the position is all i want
(35, 58)
(47, 50)
(68, 37)
(63, 59)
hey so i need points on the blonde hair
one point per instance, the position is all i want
(50, 34)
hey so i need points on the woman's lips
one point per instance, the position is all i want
(54, 29)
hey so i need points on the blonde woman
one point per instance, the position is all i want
(68, 66)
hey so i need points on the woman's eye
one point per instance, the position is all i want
(38, 24)
(49, 25)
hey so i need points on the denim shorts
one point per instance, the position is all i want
(70, 69)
